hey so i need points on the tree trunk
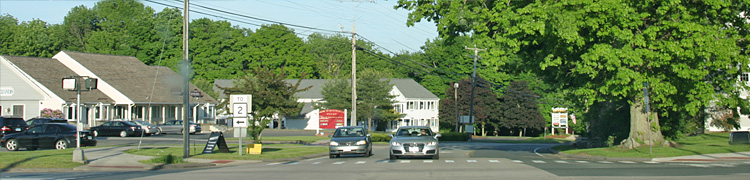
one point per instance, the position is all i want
(484, 133)
(639, 128)
(369, 123)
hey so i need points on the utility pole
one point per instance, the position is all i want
(473, 81)
(354, 75)
(185, 93)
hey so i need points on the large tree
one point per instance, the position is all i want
(485, 104)
(518, 109)
(272, 96)
(690, 52)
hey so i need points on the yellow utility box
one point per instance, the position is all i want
(254, 148)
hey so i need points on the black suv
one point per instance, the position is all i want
(10, 125)
(38, 121)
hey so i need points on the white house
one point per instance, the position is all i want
(744, 120)
(419, 106)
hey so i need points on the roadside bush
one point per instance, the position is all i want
(454, 136)
(167, 159)
(380, 138)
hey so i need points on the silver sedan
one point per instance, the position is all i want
(410, 141)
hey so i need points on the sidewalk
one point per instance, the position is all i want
(115, 159)
(737, 156)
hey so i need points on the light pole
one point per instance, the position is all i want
(455, 101)
(78, 84)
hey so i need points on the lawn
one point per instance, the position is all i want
(270, 151)
(48, 158)
(302, 139)
(693, 145)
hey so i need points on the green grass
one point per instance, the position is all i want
(694, 145)
(48, 158)
(303, 139)
(270, 151)
(533, 140)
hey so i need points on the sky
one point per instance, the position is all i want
(375, 20)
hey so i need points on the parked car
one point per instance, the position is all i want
(121, 128)
(412, 141)
(148, 127)
(10, 125)
(350, 140)
(50, 135)
(37, 121)
(739, 137)
(176, 126)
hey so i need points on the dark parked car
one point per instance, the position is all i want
(412, 141)
(117, 128)
(739, 137)
(350, 140)
(10, 125)
(51, 135)
(37, 121)
(176, 126)
(148, 127)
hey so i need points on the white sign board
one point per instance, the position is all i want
(559, 117)
(241, 108)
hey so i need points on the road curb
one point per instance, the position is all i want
(597, 158)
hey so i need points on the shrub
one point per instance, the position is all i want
(167, 159)
(454, 136)
(380, 138)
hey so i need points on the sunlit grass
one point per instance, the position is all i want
(47, 158)
(693, 145)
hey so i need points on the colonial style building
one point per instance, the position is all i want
(127, 89)
(419, 106)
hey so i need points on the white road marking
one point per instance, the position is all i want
(494, 161)
(383, 161)
(651, 162)
(316, 163)
(605, 162)
(449, 161)
(582, 162)
(535, 149)
(271, 164)
(405, 161)
(627, 162)
(517, 161)
(562, 162)
(293, 163)
(471, 161)
(340, 162)
(427, 161)
(538, 161)
(360, 162)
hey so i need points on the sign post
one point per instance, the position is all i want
(241, 107)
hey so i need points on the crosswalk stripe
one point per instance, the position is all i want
(271, 164)
(651, 162)
(627, 162)
(582, 162)
(471, 161)
(538, 161)
(562, 162)
(405, 161)
(449, 161)
(517, 161)
(316, 163)
(293, 163)
(494, 161)
(427, 161)
(605, 162)
(360, 162)
(383, 161)
(340, 162)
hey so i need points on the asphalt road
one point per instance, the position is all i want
(464, 160)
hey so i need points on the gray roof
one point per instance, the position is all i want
(139, 82)
(50, 72)
(408, 87)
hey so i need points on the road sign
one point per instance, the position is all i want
(241, 107)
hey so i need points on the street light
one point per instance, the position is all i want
(78, 84)
(455, 101)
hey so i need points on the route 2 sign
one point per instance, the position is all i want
(241, 108)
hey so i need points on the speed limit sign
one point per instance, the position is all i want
(241, 107)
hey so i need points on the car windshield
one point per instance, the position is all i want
(414, 132)
(349, 132)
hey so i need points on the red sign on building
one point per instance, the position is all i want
(331, 118)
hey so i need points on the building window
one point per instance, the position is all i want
(18, 111)
(421, 105)
(170, 112)
(71, 112)
(744, 77)
(138, 112)
(97, 113)
(410, 105)
(156, 112)
(397, 108)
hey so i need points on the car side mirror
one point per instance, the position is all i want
(390, 135)
(438, 135)
(368, 135)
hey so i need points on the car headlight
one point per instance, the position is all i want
(394, 143)
(333, 143)
(433, 143)
(361, 142)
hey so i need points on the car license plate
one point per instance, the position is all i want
(347, 149)
(91, 137)
(18, 129)
(413, 149)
